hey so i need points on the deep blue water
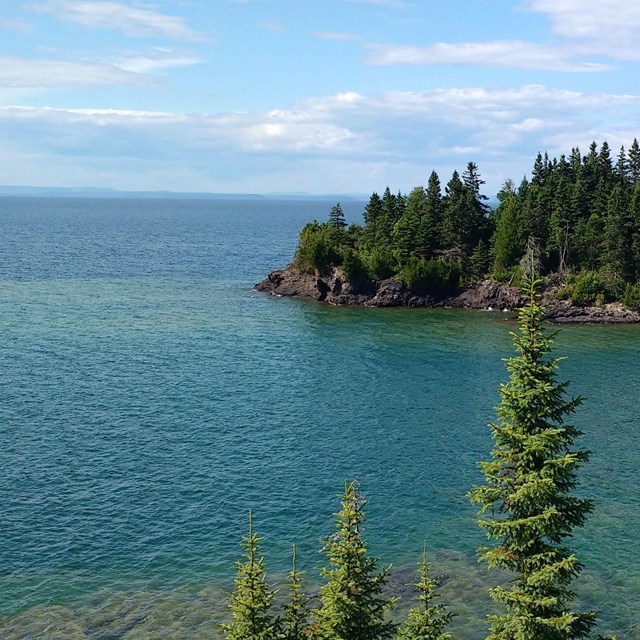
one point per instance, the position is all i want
(149, 398)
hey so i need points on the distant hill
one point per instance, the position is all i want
(91, 192)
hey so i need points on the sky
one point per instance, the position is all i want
(308, 96)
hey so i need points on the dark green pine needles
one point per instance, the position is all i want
(353, 605)
(526, 505)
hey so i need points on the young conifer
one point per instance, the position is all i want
(426, 622)
(353, 605)
(250, 603)
(526, 504)
(294, 620)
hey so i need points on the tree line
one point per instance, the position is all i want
(527, 509)
(579, 214)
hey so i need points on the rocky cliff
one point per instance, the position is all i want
(335, 289)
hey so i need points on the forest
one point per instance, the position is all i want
(579, 215)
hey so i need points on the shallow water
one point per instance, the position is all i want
(150, 398)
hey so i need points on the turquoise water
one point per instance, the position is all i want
(150, 398)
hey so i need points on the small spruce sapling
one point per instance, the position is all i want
(425, 621)
(294, 620)
(353, 605)
(250, 602)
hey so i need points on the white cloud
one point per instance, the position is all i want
(25, 73)
(609, 27)
(108, 14)
(395, 137)
(515, 54)
(154, 61)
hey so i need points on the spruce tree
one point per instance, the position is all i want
(353, 605)
(250, 603)
(294, 620)
(426, 622)
(336, 217)
(526, 503)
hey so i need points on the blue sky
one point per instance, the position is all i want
(315, 96)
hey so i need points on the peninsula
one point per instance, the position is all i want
(577, 216)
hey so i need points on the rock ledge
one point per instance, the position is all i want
(488, 296)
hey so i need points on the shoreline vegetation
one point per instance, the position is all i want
(579, 216)
(527, 508)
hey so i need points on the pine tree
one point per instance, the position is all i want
(526, 504)
(353, 606)
(634, 162)
(294, 620)
(250, 603)
(336, 217)
(372, 219)
(426, 622)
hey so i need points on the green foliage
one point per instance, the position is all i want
(526, 503)
(426, 622)
(353, 268)
(353, 606)
(336, 217)
(317, 249)
(508, 246)
(380, 263)
(418, 273)
(587, 288)
(294, 620)
(250, 603)
(631, 297)
(582, 213)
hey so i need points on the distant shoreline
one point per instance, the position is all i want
(97, 192)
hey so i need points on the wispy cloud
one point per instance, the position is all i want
(272, 25)
(107, 14)
(513, 54)
(337, 36)
(392, 4)
(27, 73)
(155, 61)
(15, 24)
(609, 27)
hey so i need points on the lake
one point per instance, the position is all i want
(150, 397)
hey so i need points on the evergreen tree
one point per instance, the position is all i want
(426, 622)
(634, 162)
(526, 504)
(294, 620)
(372, 216)
(353, 606)
(453, 213)
(336, 217)
(250, 603)
(406, 231)
(430, 232)
(390, 214)
(622, 167)
(507, 248)
(616, 259)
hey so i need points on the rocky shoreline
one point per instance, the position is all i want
(487, 296)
